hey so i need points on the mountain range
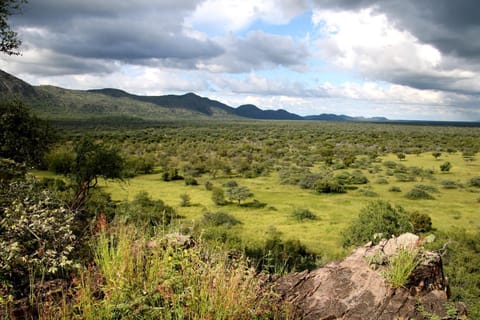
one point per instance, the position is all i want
(59, 103)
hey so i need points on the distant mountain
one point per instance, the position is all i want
(342, 118)
(253, 112)
(58, 103)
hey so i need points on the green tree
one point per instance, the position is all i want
(23, 137)
(377, 218)
(218, 196)
(8, 38)
(238, 194)
(93, 161)
(446, 166)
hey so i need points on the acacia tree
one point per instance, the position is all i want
(9, 42)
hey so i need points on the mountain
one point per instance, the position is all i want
(58, 103)
(342, 118)
(253, 112)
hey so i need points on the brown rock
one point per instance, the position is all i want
(351, 289)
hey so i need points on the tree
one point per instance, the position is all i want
(8, 38)
(24, 137)
(92, 161)
(238, 194)
(401, 156)
(377, 218)
(436, 154)
(446, 166)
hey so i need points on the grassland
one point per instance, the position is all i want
(451, 207)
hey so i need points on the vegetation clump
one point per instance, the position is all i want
(304, 214)
(418, 194)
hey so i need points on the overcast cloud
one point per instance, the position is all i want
(404, 59)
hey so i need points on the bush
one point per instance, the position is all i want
(184, 200)
(145, 211)
(446, 166)
(449, 184)
(329, 185)
(304, 214)
(36, 240)
(368, 193)
(474, 182)
(377, 218)
(418, 194)
(421, 222)
(218, 196)
(219, 219)
(382, 181)
(190, 181)
(171, 174)
(280, 257)
(394, 189)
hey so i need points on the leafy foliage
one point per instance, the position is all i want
(36, 237)
(219, 219)
(9, 42)
(24, 137)
(377, 218)
(304, 214)
(418, 193)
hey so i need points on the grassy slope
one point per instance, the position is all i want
(457, 207)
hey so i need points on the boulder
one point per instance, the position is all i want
(355, 288)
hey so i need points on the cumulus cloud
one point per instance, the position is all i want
(370, 43)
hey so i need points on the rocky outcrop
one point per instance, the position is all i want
(355, 288)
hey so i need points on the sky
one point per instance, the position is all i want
(401, 59)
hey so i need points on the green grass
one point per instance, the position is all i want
(451, 207)
(334, 211)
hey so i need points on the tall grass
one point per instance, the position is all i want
(132, 280)
(401, 266)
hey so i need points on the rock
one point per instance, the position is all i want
(352, 289)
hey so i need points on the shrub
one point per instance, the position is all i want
(418, 194)
(36, 239)
(184, 200)
(329, 185)
(304, 214)
(427, 188)
(449, 184)
(474, 182)
(145, 211)
(421, 222)
(378, 217)
(219, 219)
(394, 189)
(368, 193)
(446, 166)
(208, 185)
(218, 196)
(382, 181)
(389, 164)
(171, 174)
(191, 181)
(230, 184)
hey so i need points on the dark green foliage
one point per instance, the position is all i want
(449, 184)
(427, 188)
(230, 184)
(436, 154)
(390, 164)
(377, 218)
(238, 194)
(401, 156)
(254, 204)
(446, 166)
(394, 189)
(474, 182)
(135, 165)
(461, 261)
(10, 170)
(23, 137)
(421, 222)
(219, 219)
(281, 256)
(60, 160)
(304, 214)
(418, 194)
(329, 185)
(144, 211)
(171, 174)
(382, 181)
(191, 181)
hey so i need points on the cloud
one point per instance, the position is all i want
(130, 32)
(258, 50)
(369, 43)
